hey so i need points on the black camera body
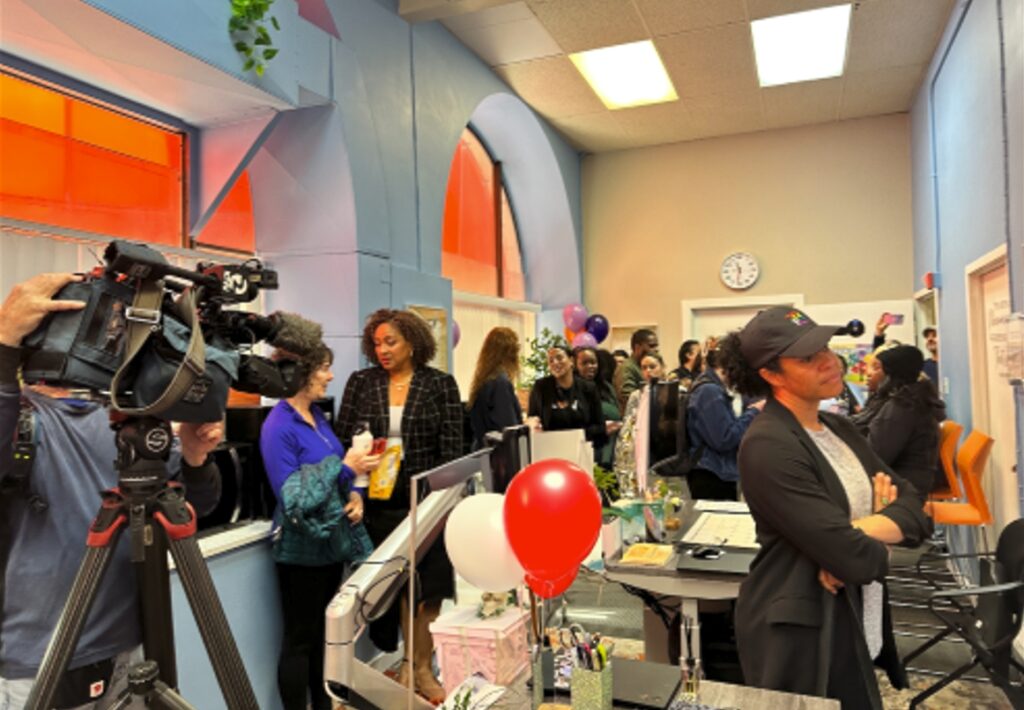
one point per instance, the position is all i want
(149, 345)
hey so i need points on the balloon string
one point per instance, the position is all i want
(535, 618)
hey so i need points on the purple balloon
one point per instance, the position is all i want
(597, 325)
(575, 317)
(456, 334)
(584, 340)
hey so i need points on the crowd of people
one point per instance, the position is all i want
(829, 492)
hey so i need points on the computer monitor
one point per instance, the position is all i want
(663, 435)
(510, 453)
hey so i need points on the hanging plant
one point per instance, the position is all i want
(248, 30)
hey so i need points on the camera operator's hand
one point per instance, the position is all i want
(198, 440)
(361, 463)
(29, 302)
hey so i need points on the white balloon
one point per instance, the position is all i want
(477, 544)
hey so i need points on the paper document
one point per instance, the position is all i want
(725, 529)
(721, 506)
(644, 553)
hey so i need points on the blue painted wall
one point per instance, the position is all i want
(967, 181)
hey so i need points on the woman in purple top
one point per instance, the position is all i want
(309, 471)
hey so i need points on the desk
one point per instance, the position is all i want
(689, 587)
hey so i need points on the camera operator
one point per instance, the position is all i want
(43, 525)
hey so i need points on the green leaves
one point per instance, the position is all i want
(249, 33)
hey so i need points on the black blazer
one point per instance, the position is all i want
(496, 406)
(788, 628)
(583, 410)
(431, 420)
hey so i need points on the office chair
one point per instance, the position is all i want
(949, 436)
(970, 460)
(988, 625)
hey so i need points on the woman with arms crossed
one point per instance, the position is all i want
(812, 616)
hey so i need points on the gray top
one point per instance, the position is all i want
(860, 493)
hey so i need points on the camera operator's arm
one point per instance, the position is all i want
(21, 313)
(198, 472)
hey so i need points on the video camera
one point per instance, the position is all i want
(158, 340)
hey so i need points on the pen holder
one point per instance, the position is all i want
(537, 671)
(592, 690)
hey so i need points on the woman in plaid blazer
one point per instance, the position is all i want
(407, 402)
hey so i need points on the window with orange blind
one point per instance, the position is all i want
(232, 225)
(69, 163)
(480, 247)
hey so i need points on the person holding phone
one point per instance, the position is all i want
(311, 475)
(812, 615)
(419, 411)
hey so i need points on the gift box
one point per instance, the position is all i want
(497, 647)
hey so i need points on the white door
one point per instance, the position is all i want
(1000, 479)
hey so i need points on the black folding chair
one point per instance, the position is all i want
(987, 618)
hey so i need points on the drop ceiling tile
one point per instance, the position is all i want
(594, 132)
(896, 33)
(666, 17)
(722, 114)
(890, 90)
(578, 25)
(770, 8)
(710, 61)
(552, 86)
(510, 42)
(662, 123)
(511, 12)
(802, 103)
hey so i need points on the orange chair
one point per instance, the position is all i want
(949, 436)
(970, 460)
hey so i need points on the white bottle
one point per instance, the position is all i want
(362, 442)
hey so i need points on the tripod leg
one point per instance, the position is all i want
(155, 603)
(178, 522)
(102, 541)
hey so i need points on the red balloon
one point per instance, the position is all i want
(552, 517)
(548, 588)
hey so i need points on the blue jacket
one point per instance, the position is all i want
(711, 422)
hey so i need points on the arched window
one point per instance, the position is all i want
(480, 254)
(480, 247)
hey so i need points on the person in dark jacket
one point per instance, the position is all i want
(493, 404)
(418, 409)
(712, 425)
(901, 420)
(691, 363)
(812, 614)
(598, 366)
(563, 401)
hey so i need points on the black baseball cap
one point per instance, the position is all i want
(782, 331)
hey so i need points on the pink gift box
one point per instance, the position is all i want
(497, 648)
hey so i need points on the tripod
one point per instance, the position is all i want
(158, 519)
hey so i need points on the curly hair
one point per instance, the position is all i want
(309, 362)
(499, 354)
(740, 375)
(413, 328)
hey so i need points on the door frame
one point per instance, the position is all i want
(977, 361)
(690, 305)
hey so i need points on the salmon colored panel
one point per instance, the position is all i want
(233, 225)
(469, 251)
(121, 134)
(33, 105)
(512, 260)
(124, 178)
(32, 164)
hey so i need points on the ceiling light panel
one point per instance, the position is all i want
(803, 46)
(626, 74)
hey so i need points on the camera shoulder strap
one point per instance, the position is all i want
(143, 320)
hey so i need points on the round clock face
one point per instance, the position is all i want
(740, 270)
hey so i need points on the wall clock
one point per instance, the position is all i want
(740, 270)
